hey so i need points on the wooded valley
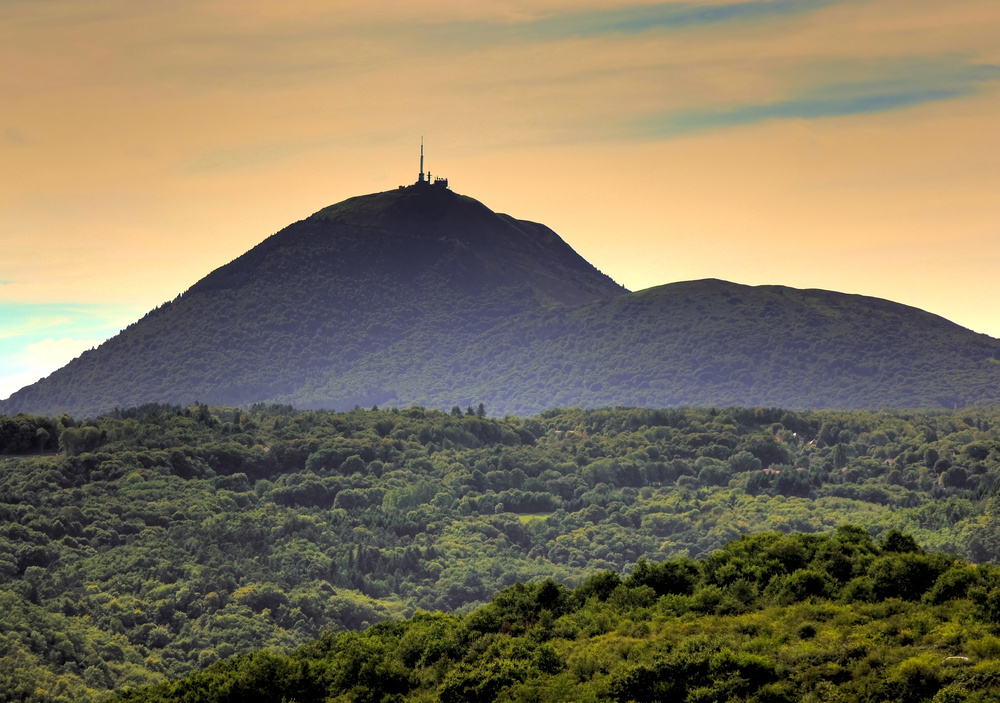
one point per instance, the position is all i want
(147, 544)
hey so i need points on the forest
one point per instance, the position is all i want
(767, 618)
(142, 546)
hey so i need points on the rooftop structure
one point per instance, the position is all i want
(439, 182)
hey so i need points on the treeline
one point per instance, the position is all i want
(29, 434)
(767, 618)
(161, 539)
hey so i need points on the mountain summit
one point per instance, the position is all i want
(423, 296)
(423, 236)
(297, 318)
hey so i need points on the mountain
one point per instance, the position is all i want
(414, 268)
(712, 343)
(423, 296)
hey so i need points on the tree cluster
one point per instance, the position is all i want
(767, 618)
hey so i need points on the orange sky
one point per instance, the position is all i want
(847, 145)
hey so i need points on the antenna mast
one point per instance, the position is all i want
(421, 179)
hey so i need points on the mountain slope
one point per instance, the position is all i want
(420, 263)
(424, 296)
(713, 343)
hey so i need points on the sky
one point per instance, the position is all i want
(851, 145)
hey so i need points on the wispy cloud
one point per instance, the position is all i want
(628, 20)
(899, 88)
(38, 360)
(29, 323)
(38, 338)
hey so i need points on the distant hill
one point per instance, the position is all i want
(423, 296)
(712, 343)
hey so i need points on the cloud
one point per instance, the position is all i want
(12, 383)
(49, 352)
(39, 338)
(629, 20)
(22, 319)
(914, 83)
(802, 109)
(28, 322)
(16, 328)
(38, 360)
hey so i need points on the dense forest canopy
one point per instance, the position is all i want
(767, 618)
(148, 543)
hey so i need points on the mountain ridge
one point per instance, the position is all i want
(423, 296)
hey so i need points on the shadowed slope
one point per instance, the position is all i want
(423, 296)
(713, 343)
(419, 264)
